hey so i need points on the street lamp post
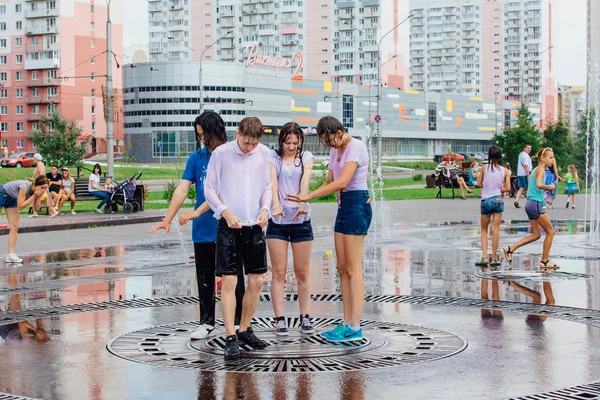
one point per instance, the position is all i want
(379, 83)
(201, 56)
(110, 128)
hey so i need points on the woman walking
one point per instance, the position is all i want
(536, 213)
(95, 189)
(291, 169)
(492, 179)
(572, 186)
(15, 196)
(348, 173)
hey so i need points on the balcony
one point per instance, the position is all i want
(370, 3)
(346, 16)
(42, 82)
(346, 4)
(42, 99)
(226, 22)
(40, 29)
(265, 10)
(289, 8)
(289, 43)
(266, 32)
(45, 63)
(34, 117)
(40, 12)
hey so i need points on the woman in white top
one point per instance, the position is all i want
(68, 185)
(95, 189)
(291, 169)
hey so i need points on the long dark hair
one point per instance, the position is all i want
(328, 126)
(213, 128)
(495, 157)
(291, 128)
(99, 169)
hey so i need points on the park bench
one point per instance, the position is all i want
(81, 193)
(442, 182)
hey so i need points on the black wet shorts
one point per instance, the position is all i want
(534, 209)
(240, 248)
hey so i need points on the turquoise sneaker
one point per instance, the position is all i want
(333, 332)
(345, 335)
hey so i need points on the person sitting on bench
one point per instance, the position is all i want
(457, 181)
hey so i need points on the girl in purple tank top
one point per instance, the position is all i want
(348, 173)
(493, 180)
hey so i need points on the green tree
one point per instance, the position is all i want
(557, 136)
(57, 140)
(581, 140)
(513, 139)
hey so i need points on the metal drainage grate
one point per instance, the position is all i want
(580, 392)
(385, 345)
(6, 396)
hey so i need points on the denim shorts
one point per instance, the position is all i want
(240, 248)
(354, 213)
(534, 209)
(6, 201)
(522, 182)
(492, 205)
(293, 233)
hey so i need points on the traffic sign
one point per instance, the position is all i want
(377, 119)
(159, 144)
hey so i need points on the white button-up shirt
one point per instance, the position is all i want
(239, 182)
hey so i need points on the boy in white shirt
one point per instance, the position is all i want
(238, 190)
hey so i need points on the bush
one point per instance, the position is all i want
(417, 177)
(170, 189)
(318, 180)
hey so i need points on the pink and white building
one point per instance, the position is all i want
(487, 48)
(53, 57)
(338, 38)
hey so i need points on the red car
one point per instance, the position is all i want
(18, 160)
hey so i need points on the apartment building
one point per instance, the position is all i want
(571, 103)
(53, 57)
(326, 39)
(489, 48)
(593, 52)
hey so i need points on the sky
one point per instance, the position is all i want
(568, 36)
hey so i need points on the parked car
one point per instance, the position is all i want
(459, 157)
(18, 160)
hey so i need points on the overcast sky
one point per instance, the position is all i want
(568, 36)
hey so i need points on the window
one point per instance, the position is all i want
(432, 117)
(19, 58)
(19, 93)
(93, 126)
(506, 119)
(2, 26)
(93, 76)
(34, 41)
(19, 110)
(4, 127)
(4, 142)
(35, 92)
(3, 94)
(3, 60)
(18, 42)
(93, 60)
(3, 110)
(93, 109)
(35, 126)
(19, 25)
(93, 92)
(92, 26)
(348, 111)
(174, 144)
(91, 9)
(34, 75)
(35, 109)
(19, 127)
(93, 43)
(3, 9)
(18, 8)
(19, 75)
(3, 76)
(19, 143)
(52, 92)
(3, 43)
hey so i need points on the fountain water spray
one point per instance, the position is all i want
(592, 150)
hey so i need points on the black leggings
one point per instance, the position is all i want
(205, 275)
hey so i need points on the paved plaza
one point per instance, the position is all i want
(118, 306)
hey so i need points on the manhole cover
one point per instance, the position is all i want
(385, 344)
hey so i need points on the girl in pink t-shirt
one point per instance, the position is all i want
(348, 173)
(291, 169)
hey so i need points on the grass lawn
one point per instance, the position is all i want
(389, 183)
(417, 165)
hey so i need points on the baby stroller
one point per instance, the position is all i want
(123, 196)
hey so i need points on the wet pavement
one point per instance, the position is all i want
(109, 318)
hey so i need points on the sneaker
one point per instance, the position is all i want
(35, 215)
(232, 349)
(573, 207)
(306, 327)
(517, 205)
(281, 328)
(250, 339)
(12, 258)
(334, 331)
(202, 332)
(73, 212)
(568, 203)
(346, 335)
(54, 215)
(99, 211)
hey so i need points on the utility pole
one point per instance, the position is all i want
(108, 115)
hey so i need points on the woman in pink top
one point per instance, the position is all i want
(291, 169)
(348, 173)
(493, 178)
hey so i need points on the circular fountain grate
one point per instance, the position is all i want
(385, 345)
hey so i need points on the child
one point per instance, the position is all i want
(572, 185)
(550, 178)
(492, 179)
(536, 213)
(108, 184)
(238, 190)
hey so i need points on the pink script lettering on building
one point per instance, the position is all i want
(278, 62)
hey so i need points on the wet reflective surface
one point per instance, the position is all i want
(511, 350)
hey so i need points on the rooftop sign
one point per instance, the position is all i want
(275, 62)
